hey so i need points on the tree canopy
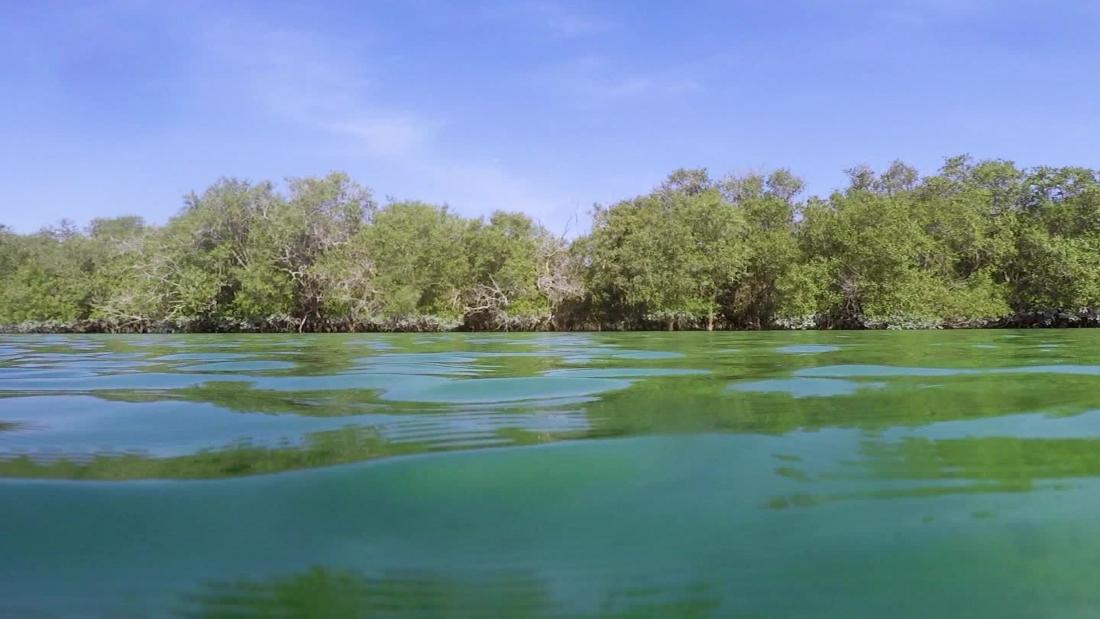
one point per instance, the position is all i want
(976, 243)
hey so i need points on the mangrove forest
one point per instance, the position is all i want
(978, 243)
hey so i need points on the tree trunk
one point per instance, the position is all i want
(710, 322)
(671, 324)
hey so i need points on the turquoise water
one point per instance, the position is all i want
(824, 474)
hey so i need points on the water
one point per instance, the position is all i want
(858, 474)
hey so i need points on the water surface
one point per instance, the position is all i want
(842, 474)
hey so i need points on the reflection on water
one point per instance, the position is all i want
(320, 593)
(556, 475)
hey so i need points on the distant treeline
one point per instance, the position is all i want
(979, 243)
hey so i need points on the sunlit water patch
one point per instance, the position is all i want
(805, 387)
(238, 366)
(802, 349)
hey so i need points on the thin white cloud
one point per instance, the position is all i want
(383, 135)
(325, 84)
(314, 82)
(482, 186)
(555, 18)
(592, 81)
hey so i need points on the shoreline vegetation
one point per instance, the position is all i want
(433, 324)
(978, 244)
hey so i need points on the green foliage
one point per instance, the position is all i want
(806, 293)
(976, 243)
(418, 251)
(669, 256)
(504, 265)
(46, 276)
(770, 244)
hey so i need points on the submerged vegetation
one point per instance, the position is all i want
(977, 244)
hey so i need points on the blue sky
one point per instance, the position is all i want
(544, 106)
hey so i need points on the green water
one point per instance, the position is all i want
(843, 474)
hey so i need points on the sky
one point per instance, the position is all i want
(542, 106)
